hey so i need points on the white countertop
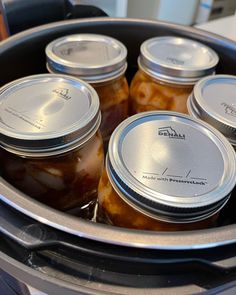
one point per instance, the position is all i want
(225, 27)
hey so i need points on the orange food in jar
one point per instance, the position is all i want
(115, 211)
(148, 94)
(101, 61)
(51, 147)
(146, 186)
(168, 69)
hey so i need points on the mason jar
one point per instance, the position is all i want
(51, 146)
(165, 171)
(213, 100)
(101, 61)
(168, 69)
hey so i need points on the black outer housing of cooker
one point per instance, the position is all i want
(59, 263)
(25, 14)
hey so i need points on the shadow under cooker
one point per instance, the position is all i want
(71, 256)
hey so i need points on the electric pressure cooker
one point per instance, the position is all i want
(60, 254)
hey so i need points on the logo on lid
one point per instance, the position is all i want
(170, 132)
(77, 47)
(175, 61)
(67, 51)
(63, 93)
(229, 109)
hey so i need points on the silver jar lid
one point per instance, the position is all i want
(170, 166)
(47, 114)
(177, 60)
(92, 57)
(214, 101)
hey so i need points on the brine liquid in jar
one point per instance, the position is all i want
(113, 97)
(51, 146)
(168, 69)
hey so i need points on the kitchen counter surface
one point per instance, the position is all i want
(225, 27)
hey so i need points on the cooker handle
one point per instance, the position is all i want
(33, 235)
(25, 231)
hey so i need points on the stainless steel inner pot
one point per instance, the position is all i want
(34, 226)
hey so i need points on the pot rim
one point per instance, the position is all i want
(113, 20)
(198, 239)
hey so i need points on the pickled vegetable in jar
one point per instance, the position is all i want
(113, 110)
(213, 100)
(101, 61)
(165, 172)
(51, 146)
(168, 69)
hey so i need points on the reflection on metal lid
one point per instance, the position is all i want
(171, 166)
(45, 113)
(214, 101)
(177, 59)
(89, 56)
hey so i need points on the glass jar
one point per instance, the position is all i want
(213, 101)
(113, 97)
(51, 147)
(101, 61)
(168, 69)
(179, 178)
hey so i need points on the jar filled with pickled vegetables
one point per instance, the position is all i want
(51, 146)
(168, 69)
(213, 101)
(165, 171)
(100, 61)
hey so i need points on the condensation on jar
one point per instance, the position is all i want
(165, 171)
(51, 146)
(168, 69)
(101, 61)
(213, 101)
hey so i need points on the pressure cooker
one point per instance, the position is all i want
(58, 253)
